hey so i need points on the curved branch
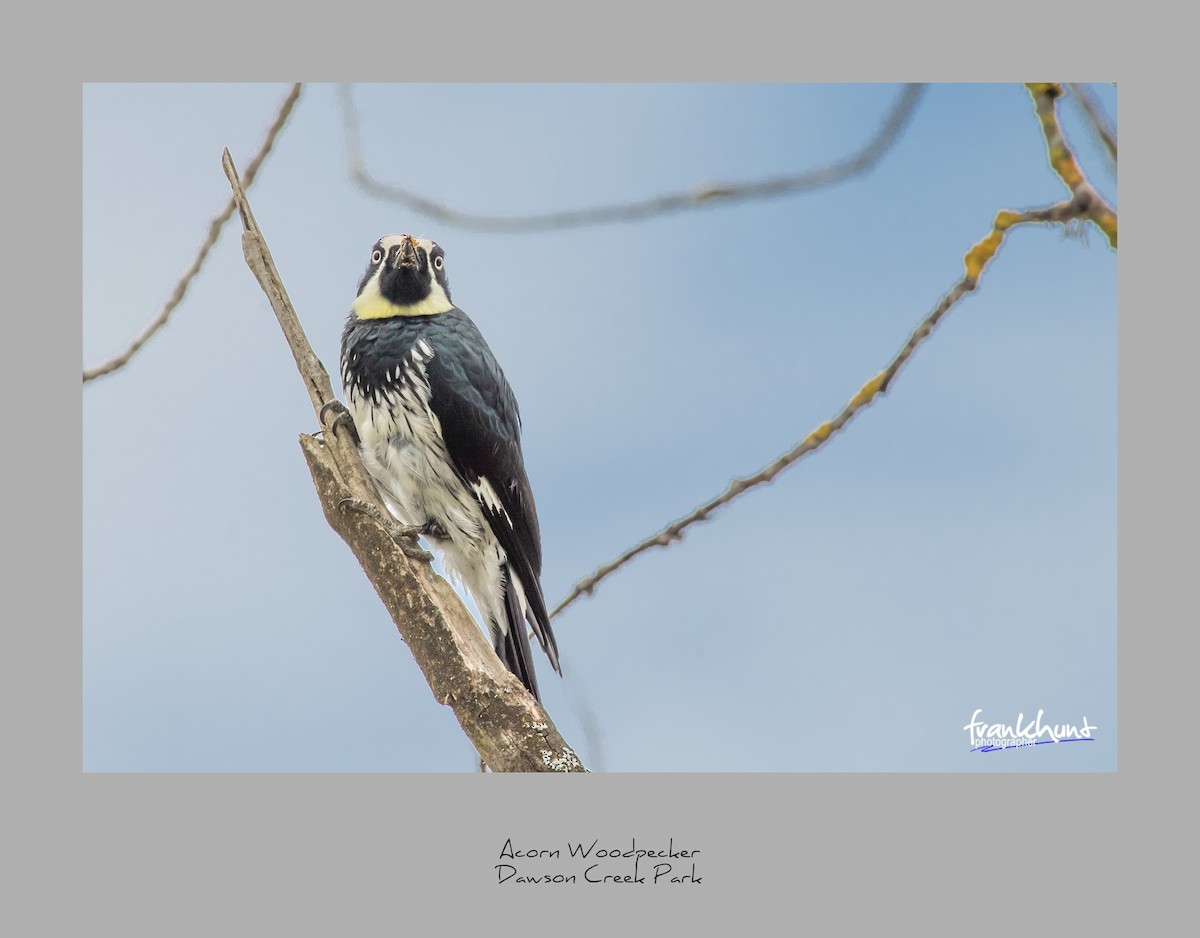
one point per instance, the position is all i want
(508, 728)
(975, 260)
(1096, 117)
(214, 231)
(847, 168)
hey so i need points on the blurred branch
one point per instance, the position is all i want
(1097, 118)
(1079, 206)
(509, 729)
(1062, 160)
(214, 231)
(854, 165)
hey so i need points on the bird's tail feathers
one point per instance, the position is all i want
(512, 644)
(539, 621)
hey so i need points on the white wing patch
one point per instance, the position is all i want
(488, 497)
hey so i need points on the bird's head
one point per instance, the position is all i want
(406, 276)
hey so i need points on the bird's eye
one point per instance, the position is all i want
(376, 256)
(437, 261)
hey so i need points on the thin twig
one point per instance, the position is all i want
(974, 261)
(1096, 117)
(1063, 162)
(851, 166)
(214, 231)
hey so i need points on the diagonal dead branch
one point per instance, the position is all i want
(847, 168)
(974, 262)
(214, 231)
(509, 729)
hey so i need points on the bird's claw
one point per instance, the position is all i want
(342, 418)
(405, 535)
(413, 550)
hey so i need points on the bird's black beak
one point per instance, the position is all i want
(406, 254)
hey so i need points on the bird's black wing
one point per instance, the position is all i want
(481, 426)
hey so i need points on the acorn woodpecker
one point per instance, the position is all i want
(440, 434)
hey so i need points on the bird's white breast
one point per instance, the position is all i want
(405, 453)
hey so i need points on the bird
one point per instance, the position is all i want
(439, 432)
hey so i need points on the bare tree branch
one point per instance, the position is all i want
(844, 169)
(1096, 117)
(214, 231)
(509, 729)
(1063, 161)
(1085, 203)
(975, 260)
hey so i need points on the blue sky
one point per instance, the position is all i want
(953, 549)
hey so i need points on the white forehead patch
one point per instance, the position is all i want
(387, 242)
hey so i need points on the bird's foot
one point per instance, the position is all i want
(341, 418)
(405, 535)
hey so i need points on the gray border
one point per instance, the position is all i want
(327, 854)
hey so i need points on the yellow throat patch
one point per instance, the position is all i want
(372, 305)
